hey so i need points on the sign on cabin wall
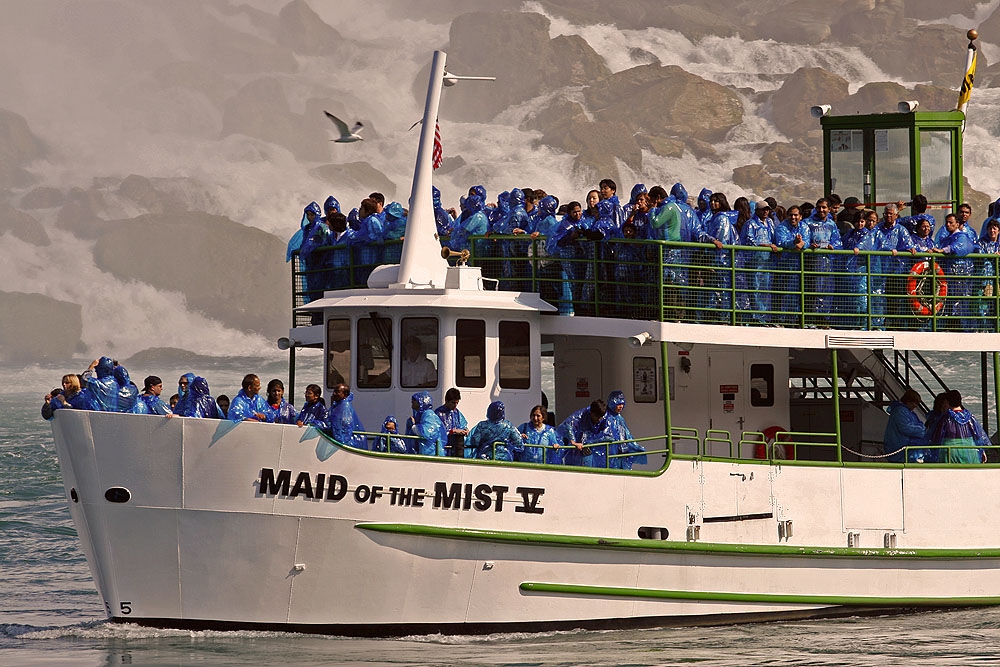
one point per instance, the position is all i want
(583, 387)
(729, 389)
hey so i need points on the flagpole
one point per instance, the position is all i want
(970, 74)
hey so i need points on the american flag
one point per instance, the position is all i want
(438, 154)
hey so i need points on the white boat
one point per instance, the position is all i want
(197, 523)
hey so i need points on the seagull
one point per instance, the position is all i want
(346, 136)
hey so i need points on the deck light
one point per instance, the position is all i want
(640, 339)
(820, 110)
(907, 106)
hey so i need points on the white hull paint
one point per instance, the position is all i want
(198, 544)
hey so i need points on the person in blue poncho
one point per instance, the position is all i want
(634, 269)
(472, 222)
(395, 228)
(888, 273)
(622, 435)
(922, 239)
(72, 396)
(343, 421)
(792, 236)
(248, 405)
(960, 434)
(426, 425)
(720, 230)
(99, 378)
(314, 235)
(753, 276)
(368, 247)
(568, 243)
(855, 274)
(609, 192)
(637, 189)
(495, 438)
(822, 282)
(705, 212)
(200, 403)
(183, 392)
(396, 445)
(456, 428)
(582, 434)
(904, 428)
(516, 222)
(919, 208)
(128, 393)
(987, 269)
(278, 410)
(547, 273)
(442, 218)
(540, 444)
(310, 215)
(959, 270)
(314, 412)
(150, 397)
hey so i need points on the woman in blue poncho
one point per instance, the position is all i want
(495, 438)
(960, 434)
(540, 444)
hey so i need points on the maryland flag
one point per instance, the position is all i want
(970, 76)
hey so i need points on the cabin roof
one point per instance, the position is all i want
(430, 298)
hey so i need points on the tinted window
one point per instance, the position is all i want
(418, 352)
(338, 352)
(515, 364)
(470, 353)
(761, 385)
(374, 352)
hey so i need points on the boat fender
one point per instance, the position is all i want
(774, 442)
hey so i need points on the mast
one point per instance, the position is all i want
(421, 264)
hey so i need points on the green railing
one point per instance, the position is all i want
(699, 283)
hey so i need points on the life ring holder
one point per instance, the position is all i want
(773, 442)
(919, 303)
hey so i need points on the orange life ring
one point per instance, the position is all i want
(770, 435)
(919, 304)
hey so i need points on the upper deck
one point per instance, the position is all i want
(696, 283)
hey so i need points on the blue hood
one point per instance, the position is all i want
(605, 208)
(424, 403)
(679, 192)
(637, 189)
(436, 196)
(615, 399)
(385, 424)
(190, 378)
(547, 206)
(962, 416)
(199, 387)
(314, 207)
(503, 202)
(516, 198)
(479, 190)
(331, 202)
(105, 366)
(496, 412)
(473, 203)
(122, 376)
(703, 199)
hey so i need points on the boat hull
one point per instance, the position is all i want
(195, 523)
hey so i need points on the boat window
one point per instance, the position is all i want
(374, 352)
(761, 385)
(892, 165)
(515, 363)
(935, 165)
(418, 354)
(470, 353)
(338, 352)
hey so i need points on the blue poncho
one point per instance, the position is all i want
(427, 426)
(495, 438)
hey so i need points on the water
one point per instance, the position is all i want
(50, 612)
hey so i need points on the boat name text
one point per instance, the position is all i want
(444, 495)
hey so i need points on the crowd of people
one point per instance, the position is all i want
(595, 436)
(951, 434)
(840, 290)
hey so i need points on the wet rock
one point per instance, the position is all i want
(800, 22)
(303, 31)
(36, 327)
(597, 144)
(260, 109)
(802, 159)
(42, 197)
(228, 271)
(356, 176)
(928, 10)
(22, 225)
(450, 164)
(697, 21)
(79, 215)
(666, 100)
(867, 23)
(19, 146)
(934, 52)
(979, 201)
(666, 146)
(516, 48)
(198, 77)
(806, 87)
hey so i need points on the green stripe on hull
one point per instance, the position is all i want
(834, 600)
(583, 541)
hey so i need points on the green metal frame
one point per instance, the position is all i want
(915, 122)
(671, 546)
